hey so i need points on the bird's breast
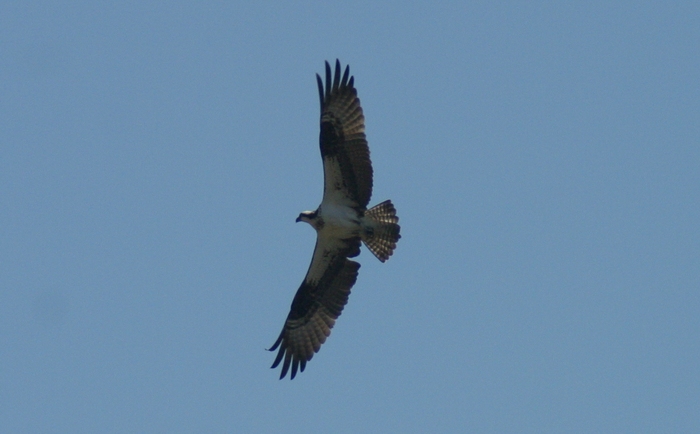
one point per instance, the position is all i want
(339, 220)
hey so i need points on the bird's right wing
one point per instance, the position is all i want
(318, 302)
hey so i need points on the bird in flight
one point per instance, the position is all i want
(342, 223)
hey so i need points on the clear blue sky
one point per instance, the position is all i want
(544, 159)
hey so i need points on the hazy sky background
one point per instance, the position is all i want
(544, 159)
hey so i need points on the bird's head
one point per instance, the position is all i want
(308, 217)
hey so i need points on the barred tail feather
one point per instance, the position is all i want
(381, 230)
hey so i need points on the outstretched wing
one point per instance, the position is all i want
(347, 167)
(318, 302)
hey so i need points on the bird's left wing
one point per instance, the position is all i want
(347, 168)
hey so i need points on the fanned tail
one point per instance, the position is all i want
(381, 230)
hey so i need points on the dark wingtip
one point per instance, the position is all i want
(295, 366)
(278, 359)
(277, 342)
(336, 76)
(344, 82)
(285, 365)
(280, 344)
(334, 81)
(328, 80)
(320, 89)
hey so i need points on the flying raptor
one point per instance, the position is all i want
(342, 223)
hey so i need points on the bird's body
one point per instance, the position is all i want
(335, 219)
(342, 223)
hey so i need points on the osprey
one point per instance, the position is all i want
(342, 222)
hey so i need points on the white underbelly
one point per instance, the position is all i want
(339, 220)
